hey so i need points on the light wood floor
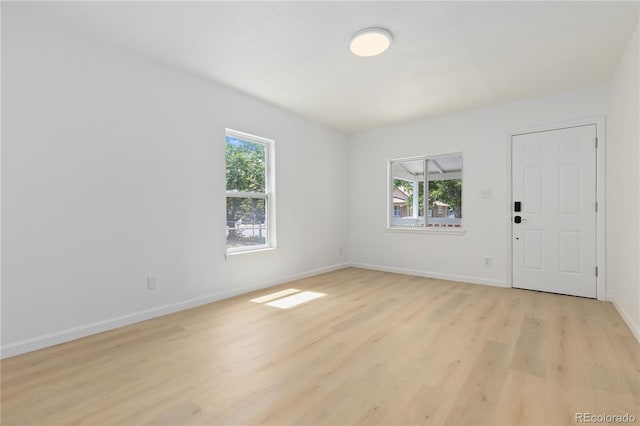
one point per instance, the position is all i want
(379, 348)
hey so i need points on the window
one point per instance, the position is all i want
(441, 175)
(250, 200)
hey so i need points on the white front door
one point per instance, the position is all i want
(554, 180)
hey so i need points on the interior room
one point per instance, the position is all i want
(320, 213)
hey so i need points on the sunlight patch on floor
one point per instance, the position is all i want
(295, 300)
(275, 295)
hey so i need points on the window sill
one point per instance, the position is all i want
(259, 249)
(423, 230)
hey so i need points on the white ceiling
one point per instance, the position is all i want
(446, 56)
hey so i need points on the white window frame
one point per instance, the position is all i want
(422, 229)
(268, 195)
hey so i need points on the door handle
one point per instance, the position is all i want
(519, 219)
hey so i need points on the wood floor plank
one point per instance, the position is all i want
(530, 351)
(523, 400)
(628, 354)
(478, 398)
(377, 349)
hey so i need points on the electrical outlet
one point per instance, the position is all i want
(487, 261)
(152, 283)
(485, 193)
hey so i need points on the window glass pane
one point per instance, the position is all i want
(246, 222)
(445, 192)
(246, 169)
(408, 180)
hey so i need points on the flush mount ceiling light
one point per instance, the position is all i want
(370, 42)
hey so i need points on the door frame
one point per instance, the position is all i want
(599, 122)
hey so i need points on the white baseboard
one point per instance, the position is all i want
(449, 277)
(74, 333)
(633, 327)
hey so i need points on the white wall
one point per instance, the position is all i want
(113, 168)
(623, 188)
(482, 137)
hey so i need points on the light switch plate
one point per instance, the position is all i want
(152, 283)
